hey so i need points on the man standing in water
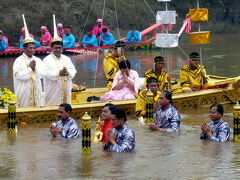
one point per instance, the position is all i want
(66, 127)
(166, 117)
(121, 138)
(217, 129)
(27, 75)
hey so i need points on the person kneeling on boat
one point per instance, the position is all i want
(134, 35)
(59, 72)
(66, 127)
(68, 39)
(166, 117)
(192, 76)
(121, 138)
(107, 121)
(152, 85)
(158, 72)
(89, 40)
(111, 61)
(217, 129)
(45, 36)
(125, 84)
(106, 38)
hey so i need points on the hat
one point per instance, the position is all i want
(27, 39)
(120, 44)
(1, 32)
(23, 30)
(158, 59)
(194, 55)
(59, 25)
(55, 38)
(99, 20)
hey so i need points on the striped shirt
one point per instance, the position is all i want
(69, 128)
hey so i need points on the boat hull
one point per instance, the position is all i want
(80, 105)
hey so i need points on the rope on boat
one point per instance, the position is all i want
(150, 8)
(119, 36)
(86, 22)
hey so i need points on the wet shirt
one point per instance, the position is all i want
(220, 131)
(104, 128)
(167, 118)
(69, 129)
(125, 140)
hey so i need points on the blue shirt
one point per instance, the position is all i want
(220, 131)
(92, 40)
(3, 45)
(68, 41)
(125, 140)
(37, 44)
(108, 39)
(133, 38)
(167, 118)
(69, 129)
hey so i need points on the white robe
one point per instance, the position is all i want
(27, 83)
(58, 89)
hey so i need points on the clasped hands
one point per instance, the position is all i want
(111, 137)
(63, 72)
(32, 65)
(206, 130)
(55, 130)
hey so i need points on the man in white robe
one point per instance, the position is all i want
(27, 75)
(59, 72)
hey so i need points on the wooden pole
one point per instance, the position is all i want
(149, 107)
(12, 117)
(236, 123)
(86, 134)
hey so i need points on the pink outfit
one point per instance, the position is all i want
(60, 34)
(46, 37)
(125, 92)
(96, 29)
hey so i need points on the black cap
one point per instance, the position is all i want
(120, 44)
(158, 59)
(194, 55)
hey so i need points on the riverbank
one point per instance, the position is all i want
(223, 16)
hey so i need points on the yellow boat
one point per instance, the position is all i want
(228, 94)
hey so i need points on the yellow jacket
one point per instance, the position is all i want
(189, 77)
(141, 103)
(162, 78)
(110, 64)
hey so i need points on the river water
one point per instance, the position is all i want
(33, 154)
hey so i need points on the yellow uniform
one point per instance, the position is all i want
(162, 78)
(190, 77)
(110, 64)
(141, 103)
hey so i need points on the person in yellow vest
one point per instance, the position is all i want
(159, 73)
(111, 61)
(152, 85)
(191, 76)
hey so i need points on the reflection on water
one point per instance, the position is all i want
(34, 154)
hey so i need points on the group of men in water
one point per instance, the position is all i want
(57, 72)
(98, 36)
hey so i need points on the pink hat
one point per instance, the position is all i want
(23, 30)
(59, 25)
(1, 31)
(99, 20)
(44, 28)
